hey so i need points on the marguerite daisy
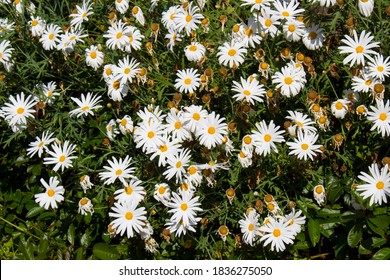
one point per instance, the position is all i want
(250, 90)
(265, 136)
(53, 194)
(212, 130)
(117, 169)
(380, 116)
(277, 233)
(304, 145)
(187, 80)
(86, 104)
(231, 54)
(40, 144)
(61, 156)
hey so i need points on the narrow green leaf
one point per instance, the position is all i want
(26, 249)
(314, 231)
(354, 235)
(42, 248)
(105, 252)
(71, 234)
(363, 251)
(35, 211)
(382, 254)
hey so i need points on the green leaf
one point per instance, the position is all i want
(71, 234)
(354, 235)
(35, 211)
(363, 251)
(43, 246)
(26, 249)
(314, 231)
(378, 224)
(382, 254)
(105, 252)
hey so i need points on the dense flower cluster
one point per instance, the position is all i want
(234, 105)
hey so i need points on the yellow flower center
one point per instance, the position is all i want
(84, 14)
(268, 198)
(116, 85)
(380, 185)
(368, 82)
(322, 120)
(34, 22)
(118, 172)
(246, 92)
(267, 137)
(319, 190)
(192, 48)
(188, 18)
(271, 207)
(312, 35)
(20, 110)
(359, 49)
(211, 130)
(300, 124)
(150, 134)
(84, 201)
(184, 206)
(177, 125)
(242, 155)
(108, 71)
(288, 80)
(135, 10)
(251, 227)
(187, 81)
(196, 116)
(192, 170)
(129, 216)
(72, 38)
(276, 232)
(50, 193)
(232, 52)
(248, 32)
(304, 146)
(268, 22)
(247, 139)
(123, 122)
(286, 14)
(339, 106)
(380, 68)
(129, 190)
(163, 148)
(264, 65)
(161, 190)
(383, 116)
(127, 70)
(223, 230)
(291, 28)
(51, 36)
(119, 35)
(93, 55)
(62, 158)
(41, 144)
(85, 108)
(236, 28)
(178, 164)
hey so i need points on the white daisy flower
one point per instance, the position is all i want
(49, 91)
(269, 22)
(94, 57)
(5, 51)
(287, 10)
(134, 39)
(251, 36)
(231, 54)
(111, 129)
(265, 137)
(108, 72)
(37, 26)
(304, 146)
(247, 144)
(162, 193)
(19, 109)
(117, 35)
(128, 218)
(245, 158)
(50, 37)
(289, 80)
(177, 164)
(358, 48)
(117, 169)
(256, 4)
(179, 228)
(53, 194)
(340, 108)
(195, 51)
(187, 81)
(85, 182)
(293, 30)
(363, 83)
(325, 3)
(86, 104)
(81, 15)
(277, 233)
(380, 116)
(85, 206)
(126, 70)
(172, 38)
(295, 221)
(122, 6)
(183, 208)
(175, 126)
(61, 156)
(132, 191)
(188, 19)
(117, 90)
(136, 11)
(377, 186)
(300, 122)
(250, 227)
(366, 7)
(250, 90)
(40, 144)
(166, 149)
(126, 125)
(212, 130)
(168, 17)
(192, 116)
(378, 67)
(319, 194)
(149, 136)
(69, 39)
(313, 37)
